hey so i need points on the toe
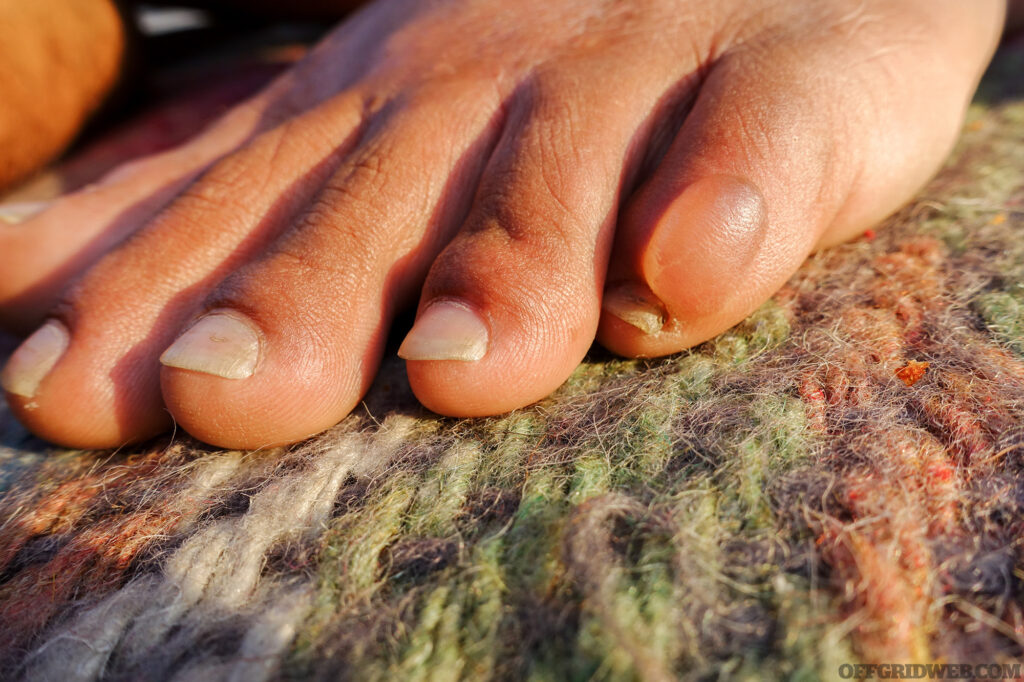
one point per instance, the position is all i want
(778, 155)
(511, 305)
(290, 343)
(89, 377)
(43, 248)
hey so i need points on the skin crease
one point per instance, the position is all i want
(511, 157)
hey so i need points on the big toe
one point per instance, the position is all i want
(778, 156)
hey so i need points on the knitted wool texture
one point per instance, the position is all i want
(798, 493)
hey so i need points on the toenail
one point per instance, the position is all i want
(34, 359)
(20, 212)
(728, 209)
(446, 330)
(635, 305)
(220, 343)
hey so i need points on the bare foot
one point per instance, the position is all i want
(511, 165)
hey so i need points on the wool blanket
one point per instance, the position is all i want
(837, 480)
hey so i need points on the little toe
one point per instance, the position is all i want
(89, 377)
(44, 247)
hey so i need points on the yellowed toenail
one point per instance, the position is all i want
(20, 212)
(220, 343)
(446, 330)
(34, 359)
(633, 305)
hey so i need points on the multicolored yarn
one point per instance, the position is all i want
(798, 493)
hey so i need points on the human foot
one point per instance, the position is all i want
(496, 160)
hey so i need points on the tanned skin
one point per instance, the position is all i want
(60, 58)
(537, 174)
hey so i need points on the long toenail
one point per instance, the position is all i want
(34, 359)
(447, 330)
(20, 212)
(220, 343)
(635, 305)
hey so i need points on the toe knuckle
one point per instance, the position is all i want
(343, 217)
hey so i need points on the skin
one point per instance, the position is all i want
(524, 160)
